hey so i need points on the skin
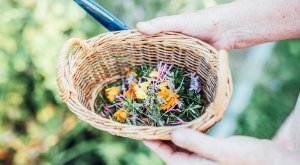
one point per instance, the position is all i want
(239, 24)
(206, 150)
(235, 25)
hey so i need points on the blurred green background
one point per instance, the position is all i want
(37, 128)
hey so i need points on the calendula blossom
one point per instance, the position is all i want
(121, 115)
(164, 93)
(112, 93)
(170, 101)
(131, 92)
(168, 95)
(131, 72)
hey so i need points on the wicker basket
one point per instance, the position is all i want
(96, 62)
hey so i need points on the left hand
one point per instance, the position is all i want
(203, 149)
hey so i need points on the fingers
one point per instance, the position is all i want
(196, 159)
(162, 150)
(174, 23)
(198, 143)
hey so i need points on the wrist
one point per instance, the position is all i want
(244, 24)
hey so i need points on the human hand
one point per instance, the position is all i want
(234, 25)
(202, 149)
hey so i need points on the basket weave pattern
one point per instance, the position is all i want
(85, 70)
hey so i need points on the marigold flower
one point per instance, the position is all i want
(130, 92)
(168, 95)
(164, 93)
(154, 73)
(131, 72)
(170, 101)
(112, 93)
(121, 115)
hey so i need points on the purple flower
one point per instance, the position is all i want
(107, 108)
(195, 84)
(130, 79)
(164, 70)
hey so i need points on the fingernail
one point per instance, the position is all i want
(178, 135)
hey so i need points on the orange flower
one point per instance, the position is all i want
(168, 95)
(130, 92)
(170, 101)
(121, 115)
(164, 93)
(131, 72)
(112, 93)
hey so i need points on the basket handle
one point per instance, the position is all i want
(222, 91)
(62, 72)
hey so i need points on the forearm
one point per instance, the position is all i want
(246, 23)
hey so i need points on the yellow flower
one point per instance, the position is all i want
(163, 85)
(131, 72)
(121, 115)
(154, 73)
(146, 120)
(140, 93)
(147, 108)
(164, 93)
(144, 85)
(112, 93)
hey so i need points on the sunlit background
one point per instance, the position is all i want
(37, 128)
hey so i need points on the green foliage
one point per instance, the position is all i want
(275, 96)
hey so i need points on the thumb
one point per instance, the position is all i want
(174, 23)
(211, 148)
